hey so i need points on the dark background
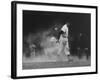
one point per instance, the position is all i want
(34, 21)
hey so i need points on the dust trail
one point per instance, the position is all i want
(47, 49)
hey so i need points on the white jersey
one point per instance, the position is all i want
(65, 29)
